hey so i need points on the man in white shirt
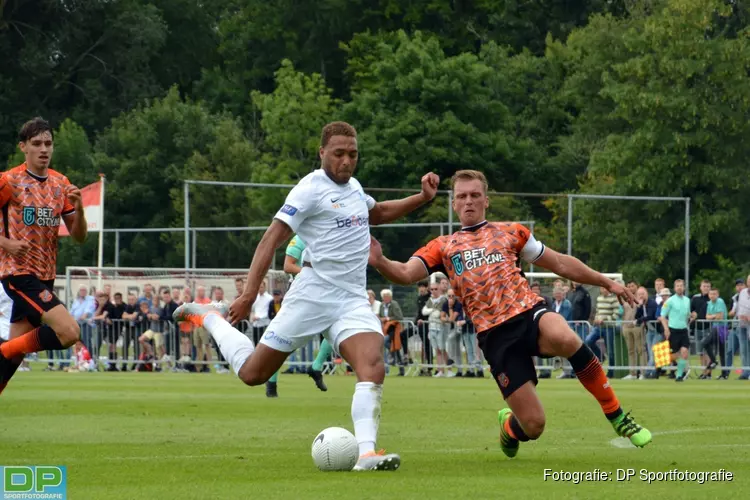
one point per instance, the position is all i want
(259, 312)
(329, 210)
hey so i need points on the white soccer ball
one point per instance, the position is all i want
(335, 449)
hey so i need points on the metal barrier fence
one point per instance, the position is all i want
(411, 349)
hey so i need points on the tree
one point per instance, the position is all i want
(661, 103)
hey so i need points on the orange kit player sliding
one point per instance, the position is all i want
(512, 322)
(33, 199)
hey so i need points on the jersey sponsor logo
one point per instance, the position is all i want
(288, 209)
(353, 221)
(40, 216)
(278, 338)
(45, 296)
(503, 380)
(474, 259)
(458, 264)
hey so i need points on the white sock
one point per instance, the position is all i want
(366, 414)
(233, 344)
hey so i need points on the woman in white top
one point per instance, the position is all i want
(375, 304)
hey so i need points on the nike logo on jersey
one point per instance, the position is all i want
(334, 200)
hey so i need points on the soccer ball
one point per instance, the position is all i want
(335, 449)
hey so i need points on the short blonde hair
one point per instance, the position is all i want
(470, 175)
(385, 292)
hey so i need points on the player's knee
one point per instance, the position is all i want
(69, 333)
(251, 376)
(372, 370)
(534, 426)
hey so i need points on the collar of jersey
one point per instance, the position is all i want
(475, 226)
(37, 177)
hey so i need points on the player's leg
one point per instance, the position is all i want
(357, 335)
(272, 388)
(316, 370)
(555, 338)
(8, 367)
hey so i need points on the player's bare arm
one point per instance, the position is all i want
(290, 265)
(76, 222)
(277, 234)
(573, 269)
(402, 273)
(388, 211)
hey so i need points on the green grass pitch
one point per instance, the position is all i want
(207, 436)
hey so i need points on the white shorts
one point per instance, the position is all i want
(313, 306)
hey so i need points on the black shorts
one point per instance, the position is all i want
(678, 339)
(31, 297)
(509, 349)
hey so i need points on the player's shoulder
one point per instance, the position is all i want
(512, 228)
(56, 176)
(15, 172)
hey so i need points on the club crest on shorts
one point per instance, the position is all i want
(45, 296)
(458, 264)
(502, 379)
(29, 215)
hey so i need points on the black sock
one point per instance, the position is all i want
(515, 426)
(581, 358)
(48, 339)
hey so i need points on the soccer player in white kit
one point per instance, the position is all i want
(6, 308)
(329, 210)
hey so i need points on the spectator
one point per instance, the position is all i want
(259, 313)
(432, 309)
(391, 316)
(177, 296)
(421, 322)
(633, 333)
(239, 286)
(375, 304)
(698, 307)
(201, 338)
(537, 289)
(645, 316)
(82, 310)
(742, 312)
(116, 312)
(106, 332)
(275, 305)
(607, 307)
(83, 362)
(129, 317)
(733, 343)
(658, 287)
(148, 295)
(675, 317)
(716, 311)
(451, 314)
(147, 320)
(561, 305)
(167, 324)
(219, 298)
(580, 302)
(187, 297)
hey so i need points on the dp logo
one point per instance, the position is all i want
(33, 482)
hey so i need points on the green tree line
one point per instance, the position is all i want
(621, 97)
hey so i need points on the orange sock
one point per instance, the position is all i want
(20, 346)
(596, 382)
(507, 428)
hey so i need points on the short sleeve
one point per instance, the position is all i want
(431, 256)
(665, 308)
(298, 206)
(370, 201)
(445, 307)
(527, 246)
(6, 192)
(294, 249)
(68, 207)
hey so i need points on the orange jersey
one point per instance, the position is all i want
(32, 211)
(482, 265)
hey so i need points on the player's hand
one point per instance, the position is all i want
(622, 293)
(240, 308)
(666, 333)
(430, 184)
(17, 248)
(376, 252)
(74, 196)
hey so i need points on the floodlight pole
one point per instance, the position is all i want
(687, 244)
(187, 227)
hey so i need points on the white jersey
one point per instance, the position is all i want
(6, 309)
(333, 219)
